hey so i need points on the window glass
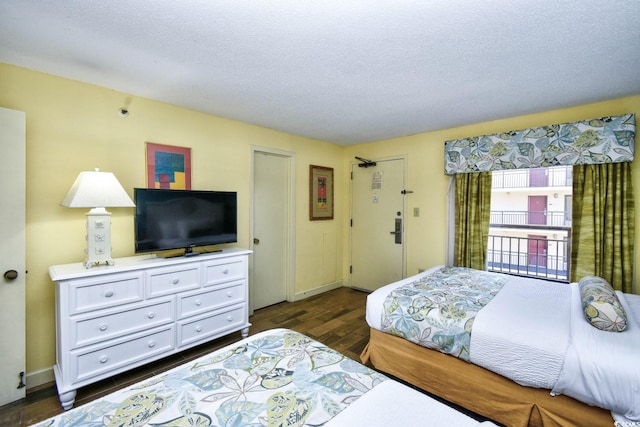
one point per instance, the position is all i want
(530, 226)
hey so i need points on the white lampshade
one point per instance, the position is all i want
(97, 189)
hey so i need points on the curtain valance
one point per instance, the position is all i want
(594, 141)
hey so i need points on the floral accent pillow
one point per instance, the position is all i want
(601, 305)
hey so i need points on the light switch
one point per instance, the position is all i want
(416, 211)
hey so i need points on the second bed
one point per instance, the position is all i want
(526, 338)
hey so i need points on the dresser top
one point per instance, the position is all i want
(77, 269)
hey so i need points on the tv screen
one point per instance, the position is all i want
(175, 219)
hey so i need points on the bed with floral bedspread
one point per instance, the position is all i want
(274, 378)
(579, 339)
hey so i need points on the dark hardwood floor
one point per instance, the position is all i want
(335, 318)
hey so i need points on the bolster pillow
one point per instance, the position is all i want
(601, 305)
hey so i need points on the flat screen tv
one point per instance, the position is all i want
(183, 219)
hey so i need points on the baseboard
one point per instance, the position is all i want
(38, 378)
(316, 291)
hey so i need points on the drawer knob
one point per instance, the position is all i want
(230, 319)
(104, 327)
(151, 344)
(198, 302)
(198, 328)
(229, 294)
(151, 315)
(225, 271)
(104, 359)
(175, 281)
(108, 294)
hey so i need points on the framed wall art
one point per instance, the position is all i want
(168, 167)
(320, 193)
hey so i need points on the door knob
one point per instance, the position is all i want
(10, 275)
(256, 241)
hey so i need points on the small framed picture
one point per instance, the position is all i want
(168, 167)
(320, 193)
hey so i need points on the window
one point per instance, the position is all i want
(530, 226)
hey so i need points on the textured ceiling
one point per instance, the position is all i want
(336, 70)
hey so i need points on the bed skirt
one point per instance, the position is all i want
(475, 388)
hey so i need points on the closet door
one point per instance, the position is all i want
(12, 256)
(271, 221)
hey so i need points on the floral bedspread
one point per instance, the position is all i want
(274, 378)
(437, 310)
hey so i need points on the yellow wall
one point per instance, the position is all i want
(72, 126)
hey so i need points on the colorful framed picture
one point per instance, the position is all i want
(168, 167)
(320, 193)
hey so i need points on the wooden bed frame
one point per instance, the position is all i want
(477, 389)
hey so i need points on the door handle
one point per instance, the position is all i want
(398, 231)
(256, 241)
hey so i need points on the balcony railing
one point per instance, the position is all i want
(532, 257)
(545, 218)
(561, 176)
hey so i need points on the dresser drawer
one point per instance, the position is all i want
(105, 291)
(164, 281)
(218, 297)
(121, 353)
(224, 271)
(98, 327)
(194, 330)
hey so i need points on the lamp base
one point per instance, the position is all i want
(89, 263)
(98, 238)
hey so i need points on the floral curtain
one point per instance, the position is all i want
(594, 141)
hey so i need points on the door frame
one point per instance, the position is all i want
(405, 212)
(291, 230)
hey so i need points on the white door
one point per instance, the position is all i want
(377, 228)
(271, 220)
(12, 256)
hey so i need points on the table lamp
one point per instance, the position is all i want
(97, 190)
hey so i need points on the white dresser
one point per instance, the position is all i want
(110, 319)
